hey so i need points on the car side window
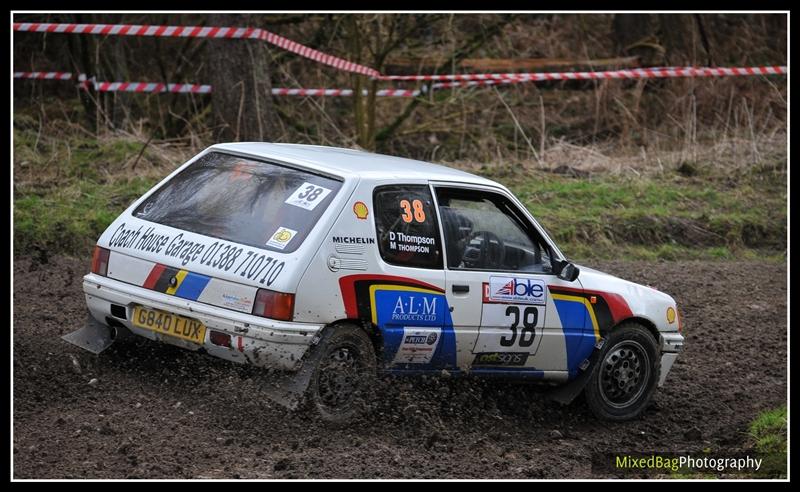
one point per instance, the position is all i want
(486, 231)
(408, 232)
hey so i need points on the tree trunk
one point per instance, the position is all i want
(116, 105)
(81, 61)
(629, 29)
(681, 39)
(634, 35)
(775, 34)
(238, 71)
(363, 105)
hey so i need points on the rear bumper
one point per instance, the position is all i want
(671, 345)
(254, 340)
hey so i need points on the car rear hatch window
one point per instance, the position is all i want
(242, 200)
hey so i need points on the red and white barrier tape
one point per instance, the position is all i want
(198, 32)
(450, 81)
(343, 92)
(341, 64)
(117, 86)
(198, 88)
(471, 83)
(151, 87)
(632, 73)
(43, 75)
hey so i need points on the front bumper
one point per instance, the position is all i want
(671, 345)
(254, 340)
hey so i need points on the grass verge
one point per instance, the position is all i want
(768, 432)
(69, 185)
(664, 216)
(767, 442)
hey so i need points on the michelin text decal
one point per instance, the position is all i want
(352, 240)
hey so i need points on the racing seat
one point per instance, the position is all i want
(457, 229)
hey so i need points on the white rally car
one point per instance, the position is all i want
(332, 265)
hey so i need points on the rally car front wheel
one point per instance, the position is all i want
(340, 386)
(624, 377)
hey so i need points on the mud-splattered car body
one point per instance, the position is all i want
(250, 252)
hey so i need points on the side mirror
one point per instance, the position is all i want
(568, 271)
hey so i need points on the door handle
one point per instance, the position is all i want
(460, 289)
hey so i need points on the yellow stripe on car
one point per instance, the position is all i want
(179, 279)
(589, 307)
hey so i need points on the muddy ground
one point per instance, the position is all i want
(156, 411)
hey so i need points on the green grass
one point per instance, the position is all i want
(659, 217)
(768, 432)
(71, 218)
(767, 436)
(68, 186)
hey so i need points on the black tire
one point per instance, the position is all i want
(625, 375)
(341, 386)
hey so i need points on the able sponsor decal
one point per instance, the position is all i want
(500, 359)
(308, 196)
(281, 238)
(514, 289)
(418, 345)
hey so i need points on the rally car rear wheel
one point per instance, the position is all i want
(624, 377)
(340, 387)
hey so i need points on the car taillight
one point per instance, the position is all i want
(219, 338)
(100, 261)
(275, 305)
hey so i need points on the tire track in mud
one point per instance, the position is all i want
(156, 411)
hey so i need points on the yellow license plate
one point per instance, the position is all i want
(169, 324)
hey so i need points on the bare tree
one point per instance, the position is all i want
(634, 34)
(82, 62)
(372, 39)
(239, 72)
(658, 39)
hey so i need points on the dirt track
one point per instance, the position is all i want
(159, 412)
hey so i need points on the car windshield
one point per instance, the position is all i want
(242, 200)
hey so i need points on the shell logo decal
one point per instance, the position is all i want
(282, 236)
(361, 210)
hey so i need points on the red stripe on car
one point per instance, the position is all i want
(347, 286)
(616, 303)
(155, 274)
